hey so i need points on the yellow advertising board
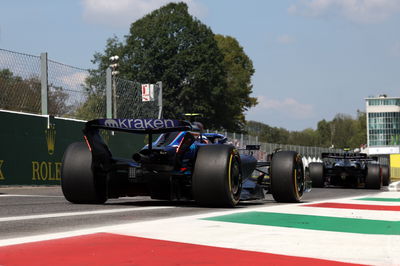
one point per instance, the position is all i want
(395, 166)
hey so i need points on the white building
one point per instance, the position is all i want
(383, 124)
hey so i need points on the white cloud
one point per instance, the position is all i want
(285, 39)
(359, 11)
(289, 107)
(73, 81)
(124, 12)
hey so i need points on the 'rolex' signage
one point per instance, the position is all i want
(32, 147)
(51, 138)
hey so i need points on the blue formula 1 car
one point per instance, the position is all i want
(183, 163)
(349, 169)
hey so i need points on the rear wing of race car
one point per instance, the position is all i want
(139, 125)
(348, 155)
(253, 147)
(100, 151)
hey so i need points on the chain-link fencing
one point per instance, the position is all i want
(71, 91)
(81, 94)
(70, 94)
(129, 101)
(19, 82)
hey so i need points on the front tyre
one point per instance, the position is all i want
(217, 179)
(287, 177)
(78, 181)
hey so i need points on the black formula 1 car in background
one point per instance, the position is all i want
(348, 169)
(181, 164)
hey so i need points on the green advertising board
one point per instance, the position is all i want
(32, 147)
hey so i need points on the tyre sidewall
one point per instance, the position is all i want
(79, 182)
(373, 177)
(316, 172)
(285, 168)
(385, 175)
(211, 176)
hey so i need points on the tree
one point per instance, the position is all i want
(239, 69)
(18, 94)
(171, 46)
(95, 84)
(267, 133)
(95, 104)
(360, 136)
(93, 107)
(307, 137)
(344, 128)
(342, 132)
(324, 132)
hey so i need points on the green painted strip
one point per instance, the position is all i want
(381, 199)
(349, 225)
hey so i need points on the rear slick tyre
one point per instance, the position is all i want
(316, 171)
(217, 179)
(287, 176)
(78, 181)
(373, 178)
(385, 175)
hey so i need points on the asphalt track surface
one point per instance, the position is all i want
(31, 211)
(330, 226)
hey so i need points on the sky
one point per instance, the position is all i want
(313, 59)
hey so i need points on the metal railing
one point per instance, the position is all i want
(241, 140)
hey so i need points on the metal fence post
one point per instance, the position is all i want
(108, 93)
(44, 83)
(160, 102)
(114, 88)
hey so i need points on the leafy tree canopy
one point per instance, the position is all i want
(239, 69)
(24, 95)
(201, 72)
(343, 131)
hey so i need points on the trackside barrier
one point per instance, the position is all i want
(32, 146)
(395, 167)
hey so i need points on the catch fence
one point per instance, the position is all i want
(36, 84)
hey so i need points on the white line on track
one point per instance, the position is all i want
(107, 228)
(68, 214)
(356, 248)
(30, 196)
